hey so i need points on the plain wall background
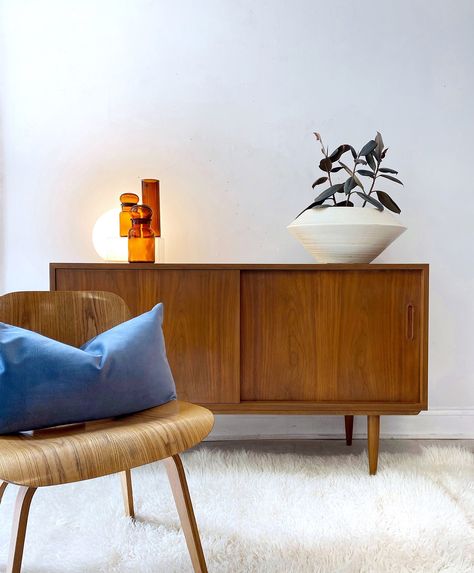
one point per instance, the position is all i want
(218, 99)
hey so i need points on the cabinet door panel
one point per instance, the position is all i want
(331, 335)
(201, 322)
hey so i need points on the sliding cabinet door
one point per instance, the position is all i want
(331, 336)
(201, 321)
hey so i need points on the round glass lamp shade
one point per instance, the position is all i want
(106, 238)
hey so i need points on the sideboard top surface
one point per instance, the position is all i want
(240, 266)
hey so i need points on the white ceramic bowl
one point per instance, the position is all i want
(346, 234)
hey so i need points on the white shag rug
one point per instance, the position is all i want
(264, 513)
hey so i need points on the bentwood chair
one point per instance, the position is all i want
(78, 452)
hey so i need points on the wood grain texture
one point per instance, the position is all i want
(201, 321)
(77, 452)
(424, 329)
(83, 451)
(355, 296)
(179, 487)
(373, 435)
(3, 487)
(71, 317)
(20, 521)
(127, 493)
(298, 407)
(330, 336)
(235, 266)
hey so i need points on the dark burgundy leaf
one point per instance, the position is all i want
(318, 137)
(387, 170)
(371, 161)
(368, 148)
(391, 178)
(388, 202)
(344, 204)
(319, 181)
(371, 200)
(325, 164)
(349, 185)
(336, 154)
(336, 169)
(366, 173)
(313, 204)
(379, 148)
(329, 192)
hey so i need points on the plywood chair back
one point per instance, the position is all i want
(158, 433)
(72, 317)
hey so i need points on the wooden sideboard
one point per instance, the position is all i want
(284, 339)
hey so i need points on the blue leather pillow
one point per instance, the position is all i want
(44, 382)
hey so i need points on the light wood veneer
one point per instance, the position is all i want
(83, 451)
(76, 452)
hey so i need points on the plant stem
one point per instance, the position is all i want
(325, 153)
(371, 190)
(353, 173)
(330, 183)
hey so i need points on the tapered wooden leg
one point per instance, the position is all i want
(127, 492)
(20, 520)
(373, 433)
(179, 487)
(3, 487)
(349, 423)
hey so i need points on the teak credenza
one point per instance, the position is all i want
(284, 339)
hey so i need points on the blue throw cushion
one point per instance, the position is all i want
(44, 382)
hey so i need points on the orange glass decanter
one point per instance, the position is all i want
(141, 238)
(128, 200)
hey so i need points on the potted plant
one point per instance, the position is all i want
(348, 222)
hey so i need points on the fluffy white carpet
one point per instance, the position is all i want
(278, 513)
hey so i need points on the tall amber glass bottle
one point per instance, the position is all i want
(128, 200)
(141, 239)
(151, 197)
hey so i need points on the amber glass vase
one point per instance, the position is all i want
(151, 197)
(141, 239)
(128, 200)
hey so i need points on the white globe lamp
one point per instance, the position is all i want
(106, 239)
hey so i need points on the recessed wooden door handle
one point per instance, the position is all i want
(410, 322)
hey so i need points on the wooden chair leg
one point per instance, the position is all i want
(179, 487)
(20, 520)
(373, 434)
(127, 492)
(349, 423)
(3, 487)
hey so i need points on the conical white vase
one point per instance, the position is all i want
(346, 234)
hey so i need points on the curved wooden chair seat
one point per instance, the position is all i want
(78, 452)
(82, 451)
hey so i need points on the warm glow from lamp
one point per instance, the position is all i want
(108, 243)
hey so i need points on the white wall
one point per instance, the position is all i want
(218, 99)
